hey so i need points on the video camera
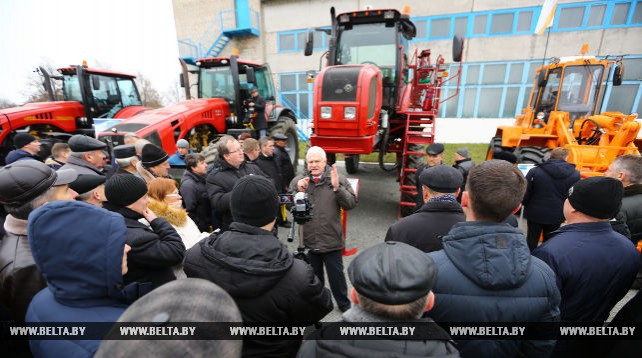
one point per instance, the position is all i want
(301, 206)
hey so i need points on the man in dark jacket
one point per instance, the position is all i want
(258, 103)
(268, 164)
(229, 167)
(194, 192)
(594, 265)
(330, 193)
(628, 170)
(80, 249)
(387, 290)
(425, 228)
(547, 187)
(27, 147)
(486, 272)
(87, 156)
(24, 186)
(435, 156)
(248, 261)
(126, 159)
(283, 158)
(463, 163)
(155, 249)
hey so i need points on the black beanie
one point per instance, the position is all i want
(599, 197)
(125, 189)
(152, 155)
(254, 201)
(22, 139)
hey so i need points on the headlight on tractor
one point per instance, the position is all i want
(349, 112)
(326, 112)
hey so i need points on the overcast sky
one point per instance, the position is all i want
(129, 36)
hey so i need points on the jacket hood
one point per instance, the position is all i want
(175, 216)
(253, 259)
(93, 240)
(195, 177)
(557, 168)
(483, 251)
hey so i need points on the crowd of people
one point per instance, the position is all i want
(86, 240)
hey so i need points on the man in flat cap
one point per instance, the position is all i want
(87, 156)
(27, 147)
(595, 266)
(486, 272)
(392, 283)
(126, 159)
(463, 163)
(25, 186)
(425, 228)
(282, 156)
(154, 163)
(90, 189)
(258, 271)
(435, 156)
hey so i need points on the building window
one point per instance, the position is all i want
(637, 15)
(421, 29)
(596, 15)
(516, 72)
(501, 23)
(468, 110)
(286, 42)
(461, 26)
(571, 17)
(479, 25)
(439, 28)
(632, 69)
(472, 75)
(622, 98)
(510, 102)
(524, 21)
(494, 74)
(620, 13)
(489, 102)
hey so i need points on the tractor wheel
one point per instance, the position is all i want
(285, 125)
(494, 146)
(532, 155)
(352, 163)
(414, 161)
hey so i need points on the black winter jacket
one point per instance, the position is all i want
(285, 164)
(631, 211)
(548, 185)
(425, 228)
(154, 250)
(219, 183)
(267, 283)
(271, 168)
(196, 201)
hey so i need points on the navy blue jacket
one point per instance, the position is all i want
(196, 201)
(595, 267)
(548, 185)
(78, 248)
(19, 154)
(486, 274)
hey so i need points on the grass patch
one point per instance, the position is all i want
(477, 153)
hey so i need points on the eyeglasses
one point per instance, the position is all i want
(236, 151)
(173, 195)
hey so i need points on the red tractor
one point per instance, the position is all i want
(224, 85)
(371, 97)
(87, 94)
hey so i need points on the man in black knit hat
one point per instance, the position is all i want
(27, 147)
(155, 248)
(267, 283)
(154, 163)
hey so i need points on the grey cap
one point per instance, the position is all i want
(463, 152)
(184, 300)
(124, 151)
(182, 143)
(279, 136)
(25, 180)
(393, 273)
(442, 178)
(84, 143)
(435, 148)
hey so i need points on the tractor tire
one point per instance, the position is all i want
(414, 161)
(352, 163)
(286, 125)
(532, 155)
(494, 146)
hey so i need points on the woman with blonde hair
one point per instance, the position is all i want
(165, 202)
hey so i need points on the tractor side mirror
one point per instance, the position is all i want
(181, 80)
(542, 79)
(249, 74)
(617, 75)
(458, 48)
(95, 82)
(309, 42)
